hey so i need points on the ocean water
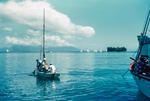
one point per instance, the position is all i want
(84, 77)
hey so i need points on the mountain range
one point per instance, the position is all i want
(25, 48)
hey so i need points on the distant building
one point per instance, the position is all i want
(116, 49)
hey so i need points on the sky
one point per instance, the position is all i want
(85, 24)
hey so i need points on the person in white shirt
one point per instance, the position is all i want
(52, 68)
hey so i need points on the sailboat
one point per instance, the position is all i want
(43, 69)
(140, 67)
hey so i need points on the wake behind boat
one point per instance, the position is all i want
(140, 67)
(43, 69)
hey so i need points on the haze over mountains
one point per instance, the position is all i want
(25, 48)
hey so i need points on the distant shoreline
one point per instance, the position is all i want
(68, 52)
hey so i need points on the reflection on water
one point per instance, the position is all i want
(44, 83)
(46, 86)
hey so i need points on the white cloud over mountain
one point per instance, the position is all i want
(8, 29)
(21, 41)
(57, 40)
(30, 13)
(32, 32)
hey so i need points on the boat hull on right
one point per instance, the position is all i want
(140, 67)
(143, 83)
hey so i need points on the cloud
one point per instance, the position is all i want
(21, 41)
(56, 40)
(29, 13)
(32, 32)
(8, 29)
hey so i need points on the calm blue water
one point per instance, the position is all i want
(84, 76)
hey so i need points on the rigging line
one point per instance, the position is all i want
(125, 73)
(146, 28)
(146, 23)
(144, 37)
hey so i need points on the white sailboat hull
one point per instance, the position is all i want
(143, 83)
(46, 74)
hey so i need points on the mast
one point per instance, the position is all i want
(143, 35)
(43, 33)
(146, 24)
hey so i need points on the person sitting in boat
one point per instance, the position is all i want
(38, 62)
(37, 65)
(45, 65)
(146, 65)
(132, 66)
(44, 60)
(140, 65)
(40, 65)
(52, 68)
